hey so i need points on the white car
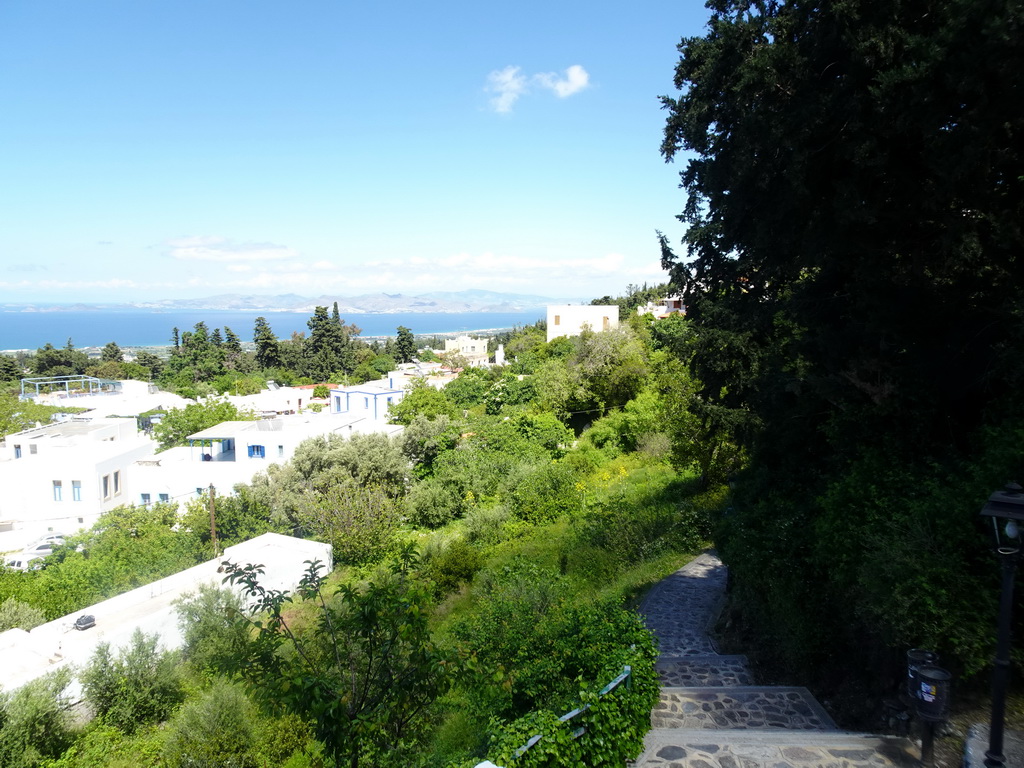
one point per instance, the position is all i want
(45, 545)
(26, 561)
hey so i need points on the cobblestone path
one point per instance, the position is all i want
(711, 715)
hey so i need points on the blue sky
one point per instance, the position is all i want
(155, 149)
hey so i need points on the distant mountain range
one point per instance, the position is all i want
(374, 303)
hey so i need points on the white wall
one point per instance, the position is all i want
(25, 656)
(569, 319)
(67, 453)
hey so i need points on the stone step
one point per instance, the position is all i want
(707, 670)
(740, 707)
(685, 748)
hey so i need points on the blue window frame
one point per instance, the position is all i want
(256, 452)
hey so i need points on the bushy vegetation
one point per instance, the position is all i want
(486, 561)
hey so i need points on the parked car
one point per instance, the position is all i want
(85, 621)
(26, 561)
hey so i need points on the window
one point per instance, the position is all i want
(81, 520)
(558, 319)
(604, 323)
(106, 487)
(117, 483)
(58, 490)
(280, 451)
(164, 497)
(76, 490)
(256, 452)
(17, 451)
(33, 448)
(145, 499)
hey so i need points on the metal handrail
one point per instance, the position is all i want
(625, 678)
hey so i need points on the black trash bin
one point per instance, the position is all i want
(917, 658)
(933, 693)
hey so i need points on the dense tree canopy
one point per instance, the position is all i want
(853, 271)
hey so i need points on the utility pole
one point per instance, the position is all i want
(213, 520)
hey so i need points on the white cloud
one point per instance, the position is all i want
(575, 80)
(509, 85)
(214, 248)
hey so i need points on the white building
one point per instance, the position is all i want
(129, 399)
(25, 656)
(274, 401)
(369, 400)
(234, 452)
(474, 350)
(570, 319)
(670, 305)
(62, 477)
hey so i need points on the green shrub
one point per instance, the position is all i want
(545, 492)
(103, 746)
(34, 722)
(530, 623)
(456, 562)
(218, 728)
(486, 525)
(141, 685)
(213, 640)
(14, 613)
(433, 503)
(615, 722)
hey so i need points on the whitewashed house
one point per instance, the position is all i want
(233, 452)
(369, 400)
(570, 319)
(474, 350)
(62, 477)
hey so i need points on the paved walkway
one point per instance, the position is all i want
(711, 715)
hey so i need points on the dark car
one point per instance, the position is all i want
(85, 621)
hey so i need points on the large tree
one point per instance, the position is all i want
(268, 353)
(405, 345)
(331, 347)
(854, 256)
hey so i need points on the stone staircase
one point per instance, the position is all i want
(711, 715)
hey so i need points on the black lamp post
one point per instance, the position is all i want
(1006, 511)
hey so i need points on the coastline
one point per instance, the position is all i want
(153, 330)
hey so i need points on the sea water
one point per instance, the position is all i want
(154, 328)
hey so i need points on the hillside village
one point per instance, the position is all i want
(59, 478)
